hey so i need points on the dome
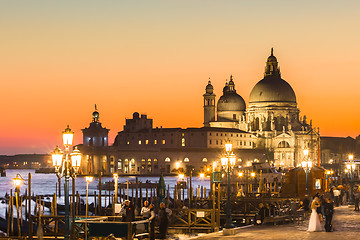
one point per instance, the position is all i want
(209, 88)
(231, 101)
(272, 89)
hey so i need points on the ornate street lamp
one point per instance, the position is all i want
(306, 165)
(67, 167)
(351, 168)
(228, 161)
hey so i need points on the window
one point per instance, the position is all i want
(127, 142)
(204, 160)
(166, 159)
(231, 135)
(155, 141)
(139, 142)
(283, 144)
(244, 143)
(209, 141)
(217, 134)
(217, 142)
(163, 141)
(209, 134)
(221, 134)
(183, 142)
(146, 142)
(186, 159)
(234, 116)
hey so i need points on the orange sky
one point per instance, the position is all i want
(58, 59)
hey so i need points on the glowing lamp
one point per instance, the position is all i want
(232, 160)
(76, 159)
(252, 174)
(202, 175)
(177, 164)
(89, 179)
(57, 156)
(116, 176)
(351, 157)
(228, 147)
(309, 164)
(224, 161)
(240, 174)
(68, 136)
(17, 180)
(181, 175)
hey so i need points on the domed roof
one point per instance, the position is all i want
(209, 88)
(272, 88)
(230, 100)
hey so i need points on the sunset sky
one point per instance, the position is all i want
(59, 58)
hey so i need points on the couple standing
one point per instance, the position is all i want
(315, 217)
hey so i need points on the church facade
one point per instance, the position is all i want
(269, 129)
(272, 117)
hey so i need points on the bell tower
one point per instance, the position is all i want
(209, 105)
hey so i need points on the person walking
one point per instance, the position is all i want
(328, 211)
(356, 199)
(314, 223)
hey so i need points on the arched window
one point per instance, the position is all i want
(283, 144)
(204, 160)
(186, 159)
(167, 159)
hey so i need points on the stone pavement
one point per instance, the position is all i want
(346, 224)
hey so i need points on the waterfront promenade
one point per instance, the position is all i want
(346, 223)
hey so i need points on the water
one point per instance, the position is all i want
(45, 184)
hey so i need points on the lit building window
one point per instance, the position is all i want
(155, 141)
(183, 142)
(167, 159)
(186, 159)
(139, 142)
(204, 160)
(146, 141)
(127, 142)
(163, 141)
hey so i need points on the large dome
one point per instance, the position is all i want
(272, 89)
(231, 101)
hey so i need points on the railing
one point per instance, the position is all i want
(193, 219)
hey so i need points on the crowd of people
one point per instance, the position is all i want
(159, 216)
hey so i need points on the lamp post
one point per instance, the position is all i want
(307, 165)
(228, 161)
(66, 168)
(351, 168)
(88, 180)
(116, 177)
(17, 182)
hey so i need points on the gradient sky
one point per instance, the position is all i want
(59, 58)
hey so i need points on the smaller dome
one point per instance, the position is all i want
(231, 102)
(209, 88)
(136, 115)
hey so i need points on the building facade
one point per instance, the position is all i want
(270, 128)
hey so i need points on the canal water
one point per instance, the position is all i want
(45, 184)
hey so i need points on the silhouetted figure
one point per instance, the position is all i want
(163, 221)
(328, 211)
(306, 204)
(128, 212)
